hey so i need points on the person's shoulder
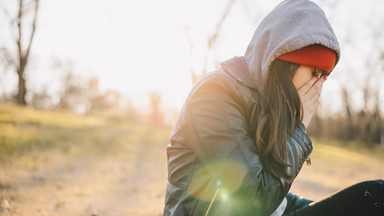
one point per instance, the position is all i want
(217, 80)
(218, 85)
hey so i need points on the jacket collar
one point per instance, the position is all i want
(238, 69)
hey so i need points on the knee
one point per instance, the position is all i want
(374, 188)
(374, 197)
(379, 184)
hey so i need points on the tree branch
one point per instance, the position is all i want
(6, 57)
(213, 38)
(18, 40)
(33, 29)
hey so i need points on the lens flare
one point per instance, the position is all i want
(219, 179)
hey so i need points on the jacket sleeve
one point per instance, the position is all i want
(218, 131)
(296, 202)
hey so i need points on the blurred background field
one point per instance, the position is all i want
(90, 90)
(61, 163)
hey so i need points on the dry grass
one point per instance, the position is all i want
(58, 163)
(336, 166)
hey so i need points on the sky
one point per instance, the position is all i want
(137, 47)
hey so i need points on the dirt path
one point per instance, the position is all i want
(58, 186)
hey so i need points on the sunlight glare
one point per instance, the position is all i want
(224, 175)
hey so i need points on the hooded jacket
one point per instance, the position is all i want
(213, 165)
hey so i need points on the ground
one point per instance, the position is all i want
(92, 166)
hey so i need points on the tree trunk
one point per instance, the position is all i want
(23, 55)
(20, 97)
(347, 107)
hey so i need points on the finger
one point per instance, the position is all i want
(314, 101)
(307, 86)
(312, 106)
(312, 98)
(315, 105)
(319, 85)
(314, 91)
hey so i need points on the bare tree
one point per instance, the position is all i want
(23, 40)
(211, 41)
(41, 99)
(73, 92)
(348, 113)
(156, 115)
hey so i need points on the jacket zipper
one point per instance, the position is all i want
(308, 160)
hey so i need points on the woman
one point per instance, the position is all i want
(240, 141)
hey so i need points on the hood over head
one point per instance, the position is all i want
(291, 25)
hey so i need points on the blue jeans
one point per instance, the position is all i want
(362, 199)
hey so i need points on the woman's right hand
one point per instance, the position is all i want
(310, 96)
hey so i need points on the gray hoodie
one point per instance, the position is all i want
(291, 25)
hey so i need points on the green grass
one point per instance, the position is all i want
(26, 131)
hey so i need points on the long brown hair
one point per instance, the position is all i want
(280, 113)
